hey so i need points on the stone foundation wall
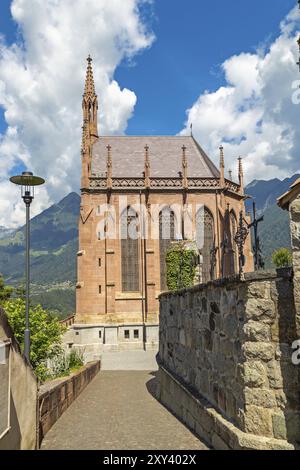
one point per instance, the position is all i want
(229, 343)
(56, 396)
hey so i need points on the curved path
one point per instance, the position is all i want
(118, 411)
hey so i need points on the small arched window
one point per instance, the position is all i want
(166, 235)
(130, 251)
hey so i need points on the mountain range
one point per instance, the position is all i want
(54, 243)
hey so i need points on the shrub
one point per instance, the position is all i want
(64, 363)
(75, 359)
(181, 267)
(45, 332)
(282, 258)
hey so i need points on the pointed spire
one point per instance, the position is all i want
(147, 167)
(90, 104)
(89, 89)
(184, 168)
(109, 167)
(241, 175)
(222, 166)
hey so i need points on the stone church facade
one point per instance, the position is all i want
(138, 194)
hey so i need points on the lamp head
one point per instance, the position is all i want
(27, 181)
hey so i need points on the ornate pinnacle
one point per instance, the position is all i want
(184, 167)
(147, 167)
(222, 166)
(222, 161)
(241, 171)
(89, 82)
(298, 42)
(241, 175)
(109, 167)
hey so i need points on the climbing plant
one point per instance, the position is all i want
(181, 267)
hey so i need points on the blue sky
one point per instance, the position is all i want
(193, 38)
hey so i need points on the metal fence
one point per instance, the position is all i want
(4, 387)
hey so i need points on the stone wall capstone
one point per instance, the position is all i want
(229, 343)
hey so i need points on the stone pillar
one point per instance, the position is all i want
(295, 236)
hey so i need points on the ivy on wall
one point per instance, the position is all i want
(181, 266)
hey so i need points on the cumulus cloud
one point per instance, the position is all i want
(41, 84)
(253, 114)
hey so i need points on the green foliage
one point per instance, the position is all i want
(63, 364)
(181, 267)
(5, 292)
(45, 331)
(61, 302)
(282, 258)
(75, 359)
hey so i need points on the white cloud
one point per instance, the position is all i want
(41, 84)
(253, 114)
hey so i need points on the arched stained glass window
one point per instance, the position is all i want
(130, 251)
(205, 235)
(166, 235)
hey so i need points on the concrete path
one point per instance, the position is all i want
(129, 360)
(118, 411)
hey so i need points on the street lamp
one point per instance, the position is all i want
(27, 181)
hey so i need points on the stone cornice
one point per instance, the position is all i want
(100, 183)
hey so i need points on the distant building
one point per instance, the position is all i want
(137, 195)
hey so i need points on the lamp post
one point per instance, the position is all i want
(27, 181)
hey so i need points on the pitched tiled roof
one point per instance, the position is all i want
(165, 155)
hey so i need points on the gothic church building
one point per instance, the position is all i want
(120, 277)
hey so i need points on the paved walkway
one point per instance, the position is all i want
(129, 360)
(118, 411)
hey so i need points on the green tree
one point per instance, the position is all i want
(181, 267)
(282, 258)
(45, 332)
(5, 291)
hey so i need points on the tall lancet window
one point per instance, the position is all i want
(166, 235)
(205, 234)
(130, 251)
(233, 230)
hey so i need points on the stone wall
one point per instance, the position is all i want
(295, 238)
(22, 426)
(226, 349)
(56, 396)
